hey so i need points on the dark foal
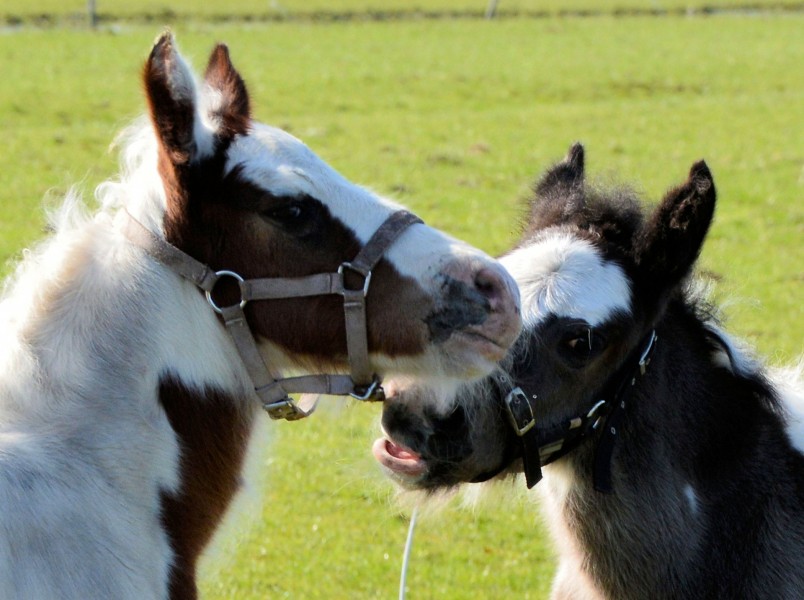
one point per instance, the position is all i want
(687, 481)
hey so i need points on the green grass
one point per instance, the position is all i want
(455, 119)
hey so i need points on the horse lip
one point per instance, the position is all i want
(402, 461)
(490, 347)
(473, 332)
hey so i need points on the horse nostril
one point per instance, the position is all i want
(491, 283)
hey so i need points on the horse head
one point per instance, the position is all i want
(595, 277)
(246, 198)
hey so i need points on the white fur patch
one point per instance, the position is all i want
(788, 384)
(561, 275)
(282, 164)
(733, 355)
(90, 327)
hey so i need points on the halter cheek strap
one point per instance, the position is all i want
(363, 384)
(542, 446)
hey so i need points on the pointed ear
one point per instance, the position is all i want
(564, 179)
(671, 240)
(171, 92)
(559, 193)
(232, 112)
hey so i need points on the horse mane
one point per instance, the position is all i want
(137, 187)
(613, 211)
(138, 178)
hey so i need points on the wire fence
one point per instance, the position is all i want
(96, 12)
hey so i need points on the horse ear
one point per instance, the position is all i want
(560, 191)
(565, 179)
(171, 92)
(671, 240)
(232, 112)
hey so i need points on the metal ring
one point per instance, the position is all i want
(366, 277)
(595, 408)
(368, 393)
(240, 282)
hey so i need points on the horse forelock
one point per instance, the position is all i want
(562, 274)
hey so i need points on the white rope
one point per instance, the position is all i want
(406, 555)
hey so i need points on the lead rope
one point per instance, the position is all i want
(406, 556)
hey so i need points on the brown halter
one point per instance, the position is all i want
(362, 384)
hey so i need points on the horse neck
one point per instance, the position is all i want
(101, 318)
(123, 367)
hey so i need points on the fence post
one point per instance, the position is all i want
(491, 9)
(93, 13)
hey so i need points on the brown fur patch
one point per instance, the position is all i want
(219, 220)
(230, 233)
(213, 430)
(173, 119)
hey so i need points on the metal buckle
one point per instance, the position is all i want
(520, 412)
(284, 409)
(644, 359)
(373, 392)
(240, 284)
(366, 277)
(594, 410)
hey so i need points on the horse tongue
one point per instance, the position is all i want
(400, 452)
(398, 459)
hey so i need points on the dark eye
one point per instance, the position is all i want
(580, 343)
(299, 216)
(287, 214)
(576, 344)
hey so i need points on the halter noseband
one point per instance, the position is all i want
(362, 384)
(542, 446)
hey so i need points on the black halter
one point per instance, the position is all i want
(541, 446)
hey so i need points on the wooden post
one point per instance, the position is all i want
(491, 9)
(93, 13)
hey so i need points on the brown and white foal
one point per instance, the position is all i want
(125, 405)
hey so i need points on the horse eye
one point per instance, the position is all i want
(581, 344)
(577, 343)
(286, 214)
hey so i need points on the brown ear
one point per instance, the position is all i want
(233, 113)
(171, 93)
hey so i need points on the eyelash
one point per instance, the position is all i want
(582, 344)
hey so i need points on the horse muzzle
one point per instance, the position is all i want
(478, 314)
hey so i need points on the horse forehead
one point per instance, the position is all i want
(283, 165)
(277, 161)
(560, 274)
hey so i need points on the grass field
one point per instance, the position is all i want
(454, 118)
(59, 11)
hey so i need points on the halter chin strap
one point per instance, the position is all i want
(362, 384)
(542, 446)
